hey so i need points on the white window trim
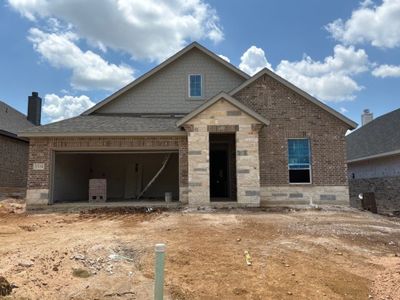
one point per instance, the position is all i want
(309, 151)
(201, 87)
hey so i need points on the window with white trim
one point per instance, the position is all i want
(195, 85)
(299, 160)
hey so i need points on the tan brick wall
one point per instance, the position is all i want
(13, 162)
(293, 116)
(223, 114)
(41, 150)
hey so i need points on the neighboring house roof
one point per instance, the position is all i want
(380, 137)
(12, 121)
(216, 98)
(291, 86)
(107, 125)
(163, 65)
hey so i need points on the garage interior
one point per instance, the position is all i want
(127, 175)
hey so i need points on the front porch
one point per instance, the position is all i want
(223, 158)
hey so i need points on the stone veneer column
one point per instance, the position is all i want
(247, 166)
(198, 166)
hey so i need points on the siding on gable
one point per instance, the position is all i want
(167, 90)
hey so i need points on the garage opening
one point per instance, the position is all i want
(125, 176)
(222, 167)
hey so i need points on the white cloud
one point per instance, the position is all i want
(89, 70)
(253, 60)
(225, 58)
(56, 108)
(151, 29)
(386, 71)
(343, 110)
(378, 25)
(330, 80)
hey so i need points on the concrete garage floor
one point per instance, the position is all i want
(305, 254)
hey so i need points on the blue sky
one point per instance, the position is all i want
(345, 53)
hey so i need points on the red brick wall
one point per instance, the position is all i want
(41, 151)
(293, 116)
(13, 162)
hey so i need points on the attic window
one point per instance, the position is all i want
(195, 85)
(299, 161)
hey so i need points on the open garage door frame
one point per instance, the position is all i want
(99, 155)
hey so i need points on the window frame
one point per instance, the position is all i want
(201, 87)
(309, 163)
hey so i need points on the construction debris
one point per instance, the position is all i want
(164, 164)
(5, 287)
(248, 258)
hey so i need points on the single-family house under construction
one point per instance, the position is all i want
(201, 131)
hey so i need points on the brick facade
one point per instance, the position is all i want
(13, 162)
(385, 190)
(293, 116)
(41, 152)
(261, 151)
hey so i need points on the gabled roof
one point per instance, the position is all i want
(12, 121)
(378, 138)
(291, 86)
(215, 99)
(107, 125)
(163, 65)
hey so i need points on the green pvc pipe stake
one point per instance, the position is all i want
(159, 276)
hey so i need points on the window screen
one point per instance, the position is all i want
(195, 85)
(299, 161)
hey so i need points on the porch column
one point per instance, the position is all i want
(247, 165)
(198, 166)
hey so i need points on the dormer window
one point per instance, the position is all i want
(195, 86)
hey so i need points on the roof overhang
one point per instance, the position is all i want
(375, 156)
(100, 134)
(163, 65)
(230, 99)
(12, 135)
(351, 124)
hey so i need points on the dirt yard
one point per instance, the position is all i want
(327, 254)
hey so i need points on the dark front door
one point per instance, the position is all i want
(219, 175)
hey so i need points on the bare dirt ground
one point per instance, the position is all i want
(307, 254)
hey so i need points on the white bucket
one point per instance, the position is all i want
(168, 197)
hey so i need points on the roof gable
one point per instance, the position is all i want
(217, 98)
(161, 66)
(294, 88)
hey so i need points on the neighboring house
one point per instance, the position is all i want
(373, 153)
(13, 149)
(216, 134)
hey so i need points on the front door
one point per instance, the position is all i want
(219, 172)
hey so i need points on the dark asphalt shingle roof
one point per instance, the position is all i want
(11, 120)
(108, 124)
(379, 136)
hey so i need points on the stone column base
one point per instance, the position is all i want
(37, 197)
